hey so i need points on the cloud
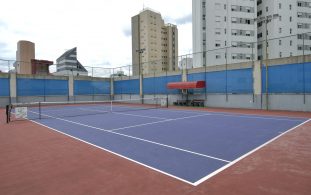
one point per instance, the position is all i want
(3, 25)
(179, 21)
(4, 50)
(3, 45)
(100, 39)
(127, 32)
(184, 20)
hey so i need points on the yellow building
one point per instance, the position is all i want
(154, 43)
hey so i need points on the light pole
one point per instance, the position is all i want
(140, 51)
(266, 20)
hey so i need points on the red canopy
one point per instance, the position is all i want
(186, 85)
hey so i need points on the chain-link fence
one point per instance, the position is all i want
(284, 68)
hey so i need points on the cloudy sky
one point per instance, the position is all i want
(101, 29)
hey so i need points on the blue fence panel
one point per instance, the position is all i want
(290, 78)
(240, 81)
(30, 87)
(149, 85)
(158, 85)
(126, 86)
(5, 87)
(83, 87)
(216, 82)
(230, 81)
(307, 77)
(41, 87)
(56, 87)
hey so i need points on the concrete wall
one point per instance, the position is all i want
(296, 102)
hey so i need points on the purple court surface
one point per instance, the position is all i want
(190, 146)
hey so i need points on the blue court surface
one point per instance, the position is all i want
(188, 145)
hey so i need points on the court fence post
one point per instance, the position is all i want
(7, 112)
(39, 110)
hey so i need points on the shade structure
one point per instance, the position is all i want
(186, 85)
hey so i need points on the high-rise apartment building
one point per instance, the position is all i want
(223, 27)
(224, 31)
(289, 20)
(154, 43)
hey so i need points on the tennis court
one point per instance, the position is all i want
(190, 146)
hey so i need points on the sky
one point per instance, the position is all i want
(100, 29)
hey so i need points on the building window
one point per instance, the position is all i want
(267, 9)
(234, 32)
(291, 43)
(280, 6)
(304, 4)
(290, 31)
(280, 18)
(290, 6)
(299, 15)
(234, 8)
(280, 54)
(259, 46)
(290, 19)
(259, 35)
(280, 30)
(225, 6)
(218, 31)
(280, 42)
(291, 54)
(218, 56)
(259, 13)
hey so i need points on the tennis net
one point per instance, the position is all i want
(41, 110)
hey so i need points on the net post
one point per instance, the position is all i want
(39, 110)
(166, 102)
(7, 111)
(111, 106)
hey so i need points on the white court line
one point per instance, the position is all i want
(137, 138)
(151, 117)
(117, 154)
(167, 120)
(269, 117)
(101, 111)
(245, 155)
(202, 179)
(121, 113)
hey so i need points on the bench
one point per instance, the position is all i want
(180, 103)
(197, 102)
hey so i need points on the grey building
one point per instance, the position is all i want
(68, 64)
